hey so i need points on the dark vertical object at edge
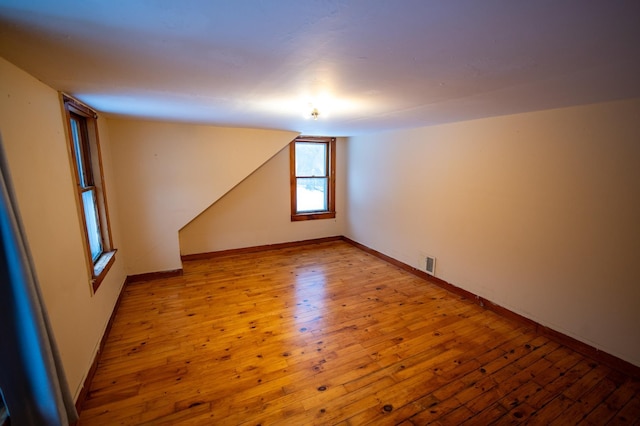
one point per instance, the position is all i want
(32, 377)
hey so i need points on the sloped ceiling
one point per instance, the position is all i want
(366, 65)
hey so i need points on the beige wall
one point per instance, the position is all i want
(168, 173)
(537, 212)
(32, 127)
(258, 211)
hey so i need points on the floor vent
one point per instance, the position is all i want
(431, 265)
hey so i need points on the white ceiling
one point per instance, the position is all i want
(367, 65)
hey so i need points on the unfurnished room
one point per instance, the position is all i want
(320, 212)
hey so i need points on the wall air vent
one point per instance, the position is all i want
(430, 263)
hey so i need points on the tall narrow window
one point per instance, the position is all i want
(85, 148)
(313, 165)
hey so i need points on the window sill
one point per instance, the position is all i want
(312, 216)
(101, 268)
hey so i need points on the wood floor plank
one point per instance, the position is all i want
(328, 334)
(586, 402)
(630, 413)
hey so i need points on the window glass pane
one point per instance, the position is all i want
(311, 194)
(311, 159)
(93, 224)
(77, 149)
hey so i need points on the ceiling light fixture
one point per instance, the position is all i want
(315, 113)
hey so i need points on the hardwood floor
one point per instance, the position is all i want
(328, 334)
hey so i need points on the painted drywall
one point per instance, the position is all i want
(168, 173)
(32, 127)
(537, 212)
(258, 211)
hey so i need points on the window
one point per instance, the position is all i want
(85, 149)
(313, 165)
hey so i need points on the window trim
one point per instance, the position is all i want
(98, 268)
(330, 213)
